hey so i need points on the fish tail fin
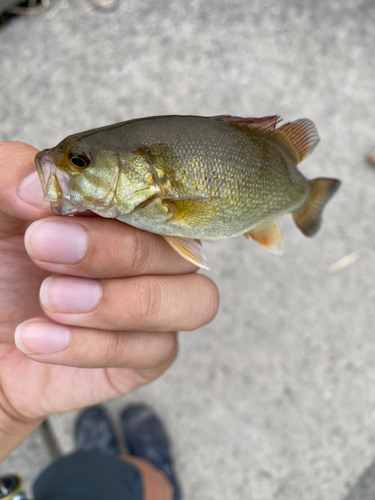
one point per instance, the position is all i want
(308, 217)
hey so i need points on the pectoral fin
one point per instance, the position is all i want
(267, 234)
(189, 249)
(191, 212)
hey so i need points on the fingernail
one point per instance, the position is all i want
(31, 191)
(41, 337)
(70, 295)
(56, 241)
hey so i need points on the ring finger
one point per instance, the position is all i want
(49, 342)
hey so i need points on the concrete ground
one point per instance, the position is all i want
(275, 399)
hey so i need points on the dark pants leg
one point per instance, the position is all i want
(89, 475)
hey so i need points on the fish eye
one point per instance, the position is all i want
(79, 159)
(78, 162)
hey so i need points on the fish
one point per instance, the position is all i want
(191, 178)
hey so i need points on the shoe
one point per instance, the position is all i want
(145, 437)
(94, 431)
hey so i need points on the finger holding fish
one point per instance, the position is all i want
(94, 247)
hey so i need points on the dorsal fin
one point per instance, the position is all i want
(300, 137)
(265, 123)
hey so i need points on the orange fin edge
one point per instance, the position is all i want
(299, 136)
(189, 249)
(268, 235)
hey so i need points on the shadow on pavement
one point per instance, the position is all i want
(364, 488)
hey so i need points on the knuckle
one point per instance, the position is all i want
(112, 345)
(138, 252)
(149, 296)
(170, 346)
(157, 357)
(165, 350)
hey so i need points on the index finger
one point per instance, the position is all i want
(95, 247)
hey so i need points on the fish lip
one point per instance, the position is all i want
(45, 168)
(61, 204)
(42, 162)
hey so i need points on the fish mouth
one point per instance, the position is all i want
(56, 186)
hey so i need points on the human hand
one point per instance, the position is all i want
(108, 313)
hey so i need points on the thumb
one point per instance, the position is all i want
(21, 194)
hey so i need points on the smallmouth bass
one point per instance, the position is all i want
(189, 178)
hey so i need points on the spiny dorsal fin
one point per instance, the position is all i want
(265, 123)
(189, 249)
(308, 218)
(300, 137)
(268, 235)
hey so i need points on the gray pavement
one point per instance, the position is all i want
(276, 398)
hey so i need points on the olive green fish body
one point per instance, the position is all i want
(189, 177)
(224, 181)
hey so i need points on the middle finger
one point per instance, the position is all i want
(146, 303)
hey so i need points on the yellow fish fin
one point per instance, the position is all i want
(267, 234)
(309, 216)
(265, 123)
(300, 137)
(189, 249)
(191, 211)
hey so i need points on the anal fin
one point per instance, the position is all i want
(189, 249)
(267, 234)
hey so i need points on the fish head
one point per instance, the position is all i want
(79, 175)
